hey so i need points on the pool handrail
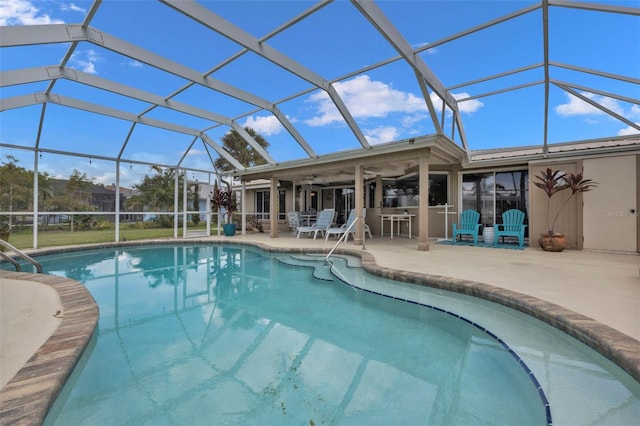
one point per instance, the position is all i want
(344, 236)
(20, 254)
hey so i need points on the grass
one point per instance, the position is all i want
(23, 239)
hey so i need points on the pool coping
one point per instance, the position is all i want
(28, 396)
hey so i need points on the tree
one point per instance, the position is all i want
(157, 193)
(16, 187)
(240, 149)
(76, 197)
(195, 218)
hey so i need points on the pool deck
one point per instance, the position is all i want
(597, 293)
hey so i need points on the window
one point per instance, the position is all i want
(493, 193)
(263, 205)
(405, 192)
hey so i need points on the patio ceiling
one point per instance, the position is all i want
(227, 76)
(388, 160)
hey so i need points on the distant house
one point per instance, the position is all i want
(102, 198)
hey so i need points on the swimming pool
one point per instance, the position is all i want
(343, 367)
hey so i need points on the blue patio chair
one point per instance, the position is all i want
(323, 222)
(468, 224)
(512, 226)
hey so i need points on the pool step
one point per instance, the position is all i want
(348, 275)
(340, 267)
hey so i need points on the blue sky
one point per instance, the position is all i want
(386, 102)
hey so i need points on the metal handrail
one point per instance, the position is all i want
(344, 236)
(21, 255)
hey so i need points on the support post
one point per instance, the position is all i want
(423, 206)
(273, 208)
(359, 204)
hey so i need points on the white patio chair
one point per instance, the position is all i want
(339, 230)
(323, 222)
(294, 221)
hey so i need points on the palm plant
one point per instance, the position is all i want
(554, 181)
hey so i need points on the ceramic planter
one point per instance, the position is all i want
(552, 242)
(229, 229)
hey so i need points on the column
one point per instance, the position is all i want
(273, 208)
(359, 204)
(423, 206)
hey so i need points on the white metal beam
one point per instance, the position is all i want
(63, 33)
(545, 47)
(216, 23)
(43, 73)
(596, 72)
(597, 7)
(56, 34)
(39, 98)
(600, 107)
(596, 91)
(384, 26)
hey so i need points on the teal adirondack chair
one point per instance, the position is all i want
(468, 224)
(512, 226)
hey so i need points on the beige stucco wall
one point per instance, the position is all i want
(570, 220)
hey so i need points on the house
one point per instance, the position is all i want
(390, 179)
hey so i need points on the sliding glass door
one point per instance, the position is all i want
(492, 193)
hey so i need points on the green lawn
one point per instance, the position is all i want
(23, 239)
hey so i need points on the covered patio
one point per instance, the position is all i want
(415, 155)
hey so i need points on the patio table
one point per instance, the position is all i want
(395, 218)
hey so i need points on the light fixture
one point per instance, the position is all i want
(412, 141)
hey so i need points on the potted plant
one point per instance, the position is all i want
(553, 182)
(225, 199)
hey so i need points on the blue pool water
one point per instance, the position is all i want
(232, 335)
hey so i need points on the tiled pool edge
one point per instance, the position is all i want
(27, 397)
(621, 349)
(616, 346)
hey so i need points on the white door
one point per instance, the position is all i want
(610, 211)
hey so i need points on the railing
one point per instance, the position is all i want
(344, 237)
(20, 254)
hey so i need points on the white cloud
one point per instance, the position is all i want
(381, 135)
(466, 107)
(576, 106)
(364, 98)
(85, 60)
(73, 7)
(264, 125)
(635, 111)
(23, 12)
(469, 106)
(135, 64)
(193, 152)
(628, 131)
(431, 51)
